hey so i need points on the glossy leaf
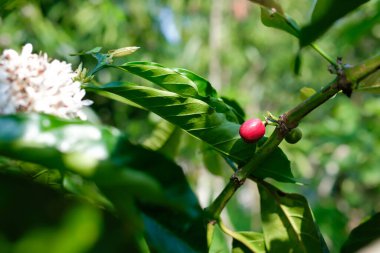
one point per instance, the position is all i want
(325, 13)
(180, 81)
(253, 239)
(205, 88)
(279, 21)
(363, 235)
(193, 115)
(288, 223)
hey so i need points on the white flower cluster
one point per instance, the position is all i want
(31, 83)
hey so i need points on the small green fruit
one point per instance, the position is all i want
(294, 136)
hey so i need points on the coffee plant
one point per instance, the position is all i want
(60, 167)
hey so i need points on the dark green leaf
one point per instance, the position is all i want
(164, 240)
(288, 223)
(325, 13)
(253, 239)
(193, 115)
(235, 105)
(276, 166)
(102, 154)
(55, 222)
(297, 63)
(280, 21)
(363, 235)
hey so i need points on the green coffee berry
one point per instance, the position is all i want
(294, 136)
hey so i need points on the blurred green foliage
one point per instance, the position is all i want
(339, 153)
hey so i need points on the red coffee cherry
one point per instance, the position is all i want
(252, 130)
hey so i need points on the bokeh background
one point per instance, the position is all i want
(338, 159)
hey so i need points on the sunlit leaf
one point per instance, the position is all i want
(180, 81)
(56, 143)
(193, 115)
(288, 223)
(325, 13)
(205, 88)
(253, 239)
(363, 235)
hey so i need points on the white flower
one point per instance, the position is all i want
(31, 83)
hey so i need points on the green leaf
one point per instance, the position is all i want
(370, 84)
(167, 78)
(279, 21)
(363, 235)
(55, 222)
(297, 63)
(121, 170)
(276, 166)
(205, 88)
(288, 223)
(208, 118)
(362, 70)
(194, 116)
(365, 76)
(212, 160)
(180, 81)
(218, 242)
(165, 138)
(325, 13)
(239, 111)
(56, 143)
(253, 239)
